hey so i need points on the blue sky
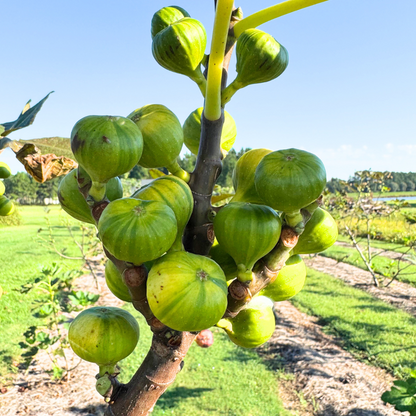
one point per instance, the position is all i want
(348, 94)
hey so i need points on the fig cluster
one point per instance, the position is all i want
(6, 206)
(274, 191)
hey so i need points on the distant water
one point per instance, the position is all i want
(392, 198)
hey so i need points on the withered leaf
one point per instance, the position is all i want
(44, 167)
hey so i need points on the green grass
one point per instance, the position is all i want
(382, 265)
(20, 260)
(398, 194)
(371, 330)
(384, 245)
(221, 380)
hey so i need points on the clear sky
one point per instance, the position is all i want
(348, 94)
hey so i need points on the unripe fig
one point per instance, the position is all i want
(115, 282)
(74, 204)
(180, 48)
(187, 292)
(6, 206)
(165, 17)
(288, 180)
(106, 147)
(205, 338)
(137, 231)
(243, 176)
(177, 195)
(260, 58)
(2, 188)
(321, 232)
(104, 335)
(247, 232)
(192, 132)
(162, 137)
(5, 170)
(289, 281)
(224, 260)
(253, 326)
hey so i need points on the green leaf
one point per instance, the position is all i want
(59, 146)
(25, 119)
(402, 396)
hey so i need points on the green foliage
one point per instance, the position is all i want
(403, 395)
(23, 188)
(55, 285)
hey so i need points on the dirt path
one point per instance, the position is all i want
(332, 381)
(399, 294)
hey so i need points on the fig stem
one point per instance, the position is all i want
(177, 171)
(270, 13)
(200, 81)
(97, 191)
(229, 92)
(109, 368)
(212, 110)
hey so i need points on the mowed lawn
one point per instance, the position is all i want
(21, 256)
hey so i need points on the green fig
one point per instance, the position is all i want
(320, 233)
(5, 170)
(115, 282)
(104, 335)
(74, 204)
(253, 326)
(187, 292)
(260, 58)
(177, 195)
(289, 281)
(180, 47)
(6, 206)
(165, 17)
(288, 180)
(137, 231)
(224, 260)
(192, 132)
(2, 188)
(247, 232)
(162, 138)
(106, 147)
(243, 176)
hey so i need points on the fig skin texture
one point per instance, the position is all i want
(162, 135)
(247, 232)
(187, 292)
(5, 170)
(6, 206)
(106, 146)
(253, 326)
(289, 180)
(104, 335)
(320, 233)
(192, 132)
(137, 231)
(165, 17)
(289, 282)
(73, 202)
(115, 282)
(243, 176)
